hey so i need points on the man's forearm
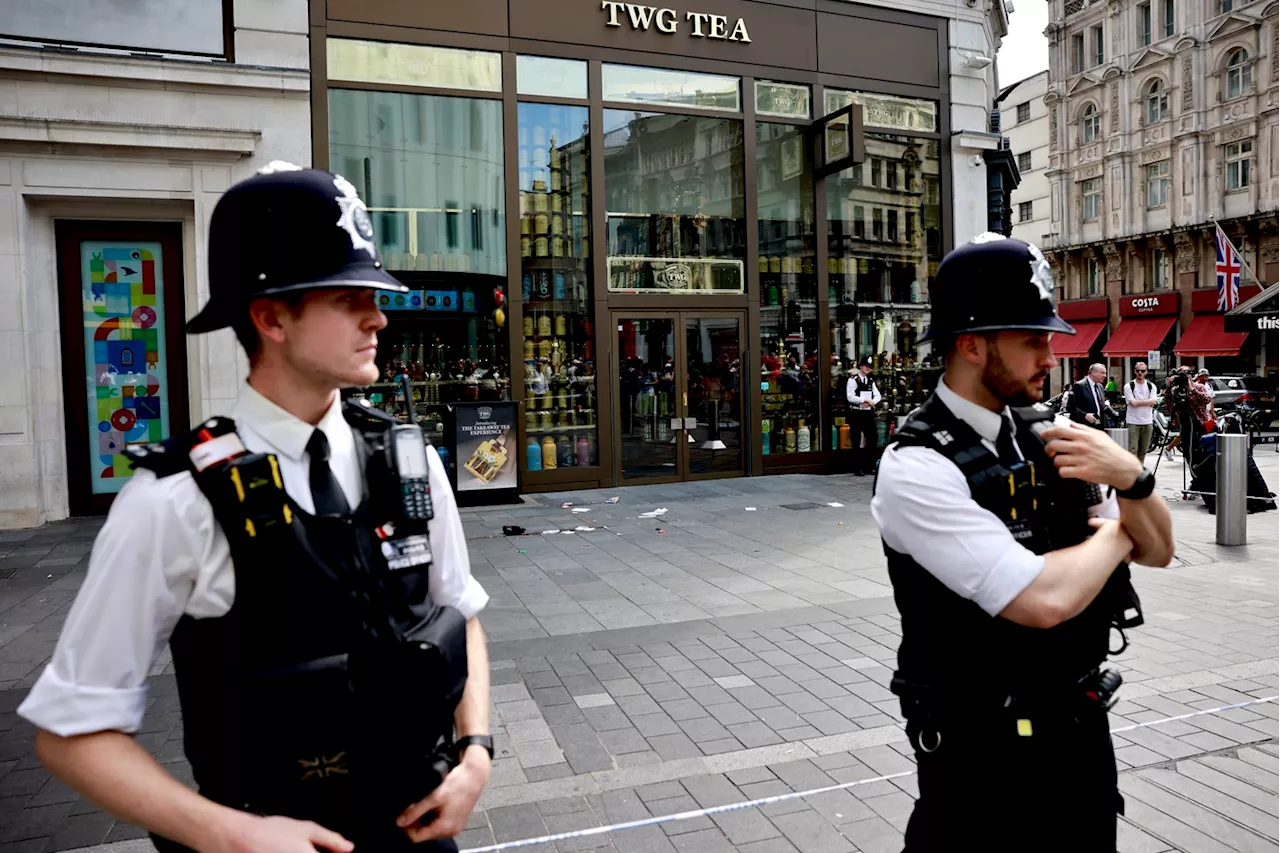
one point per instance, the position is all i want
(113, 771)
(1071, 578)
(472, 716)
(1150, 526)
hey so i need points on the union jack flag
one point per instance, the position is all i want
(1228, 272)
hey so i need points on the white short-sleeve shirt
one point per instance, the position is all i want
(924, 509)
(161, 555)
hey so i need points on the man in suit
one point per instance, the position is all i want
(1088, 399)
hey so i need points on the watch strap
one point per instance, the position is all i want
(1141, 488)
(460, 745)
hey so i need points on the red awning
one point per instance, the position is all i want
(1137, 336)
(1207, 335)
(1079, 344)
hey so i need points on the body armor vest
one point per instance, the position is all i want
(953, 650)
(327, 691)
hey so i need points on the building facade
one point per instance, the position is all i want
(117, 136)
(1024, 120)
(648, 244)
(1163, 122)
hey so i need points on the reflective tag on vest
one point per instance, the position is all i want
(1024, 728)
(407, 552)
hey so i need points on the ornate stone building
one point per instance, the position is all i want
(1162, 120)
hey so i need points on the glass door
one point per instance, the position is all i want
(680, 408)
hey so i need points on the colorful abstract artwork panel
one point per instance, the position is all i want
(124, 354)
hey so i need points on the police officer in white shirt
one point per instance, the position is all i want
(1008, 590)
(865, 397)
(305, 561)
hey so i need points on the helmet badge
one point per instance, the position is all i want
(1041, 274)
(355, 218)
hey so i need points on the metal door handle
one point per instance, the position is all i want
(677, 423)
(690, 423)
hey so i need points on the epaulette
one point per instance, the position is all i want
(163, 458)
(1033, 413)
(362, 414)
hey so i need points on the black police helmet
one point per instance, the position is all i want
(287, 229)
(993, 283)
(866, 361)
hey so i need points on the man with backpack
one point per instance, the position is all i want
(1140, 399)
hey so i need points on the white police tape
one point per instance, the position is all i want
(778, 798)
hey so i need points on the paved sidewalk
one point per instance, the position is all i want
(737, 645)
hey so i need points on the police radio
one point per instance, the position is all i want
(407, 460)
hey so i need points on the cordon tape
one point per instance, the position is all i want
(778, 798)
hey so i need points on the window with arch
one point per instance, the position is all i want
(1239, 73)
(1157, 102)
(1091, 122)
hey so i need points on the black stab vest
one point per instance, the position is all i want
(951, 648)
(285, 699)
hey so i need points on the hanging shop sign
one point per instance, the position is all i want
(669, 21)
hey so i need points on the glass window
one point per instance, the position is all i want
(1168, 18)
(1025, 211)
(789, 367)
(1092, 192)
(1158, 184)
(1024, 161)
(887, 111)
(782, 99)
(655, 87)
(879, 290)
(1239, 73)
(1157, 102)
(1077, 53)
(1024, 112)
(555, 287)
(1237, 156)
(1092, 124)
(1144, 23)
(552, 78)
(674, 203)
(354, 61)
(1093, 278)
(430, 169)
(1161, 265)
(1098, 54)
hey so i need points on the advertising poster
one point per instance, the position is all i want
(485, 436)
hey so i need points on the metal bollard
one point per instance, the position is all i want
(1232, 488)
(1120, 435)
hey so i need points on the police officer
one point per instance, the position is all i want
(305, 561)
(1009, 591)
(864, 396)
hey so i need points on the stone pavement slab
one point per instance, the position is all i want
(708, 654)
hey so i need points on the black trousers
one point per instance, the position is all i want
(986, 787)
(863, 424)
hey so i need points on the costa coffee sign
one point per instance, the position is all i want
(1149, 304)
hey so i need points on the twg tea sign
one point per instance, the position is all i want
(668, 21)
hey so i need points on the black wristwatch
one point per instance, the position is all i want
(460, 745)
(1141, 488)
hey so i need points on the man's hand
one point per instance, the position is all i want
(452, 802)
(1091, 418)
(246, 833)
(1089, 455)
(865, 404)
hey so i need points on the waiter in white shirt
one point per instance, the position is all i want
(306, 563)
(863, 394)
(1007, 588)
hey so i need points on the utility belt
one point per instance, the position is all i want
(935, 710)
(354, 737)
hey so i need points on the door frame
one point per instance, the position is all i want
(682, 474)
(68, 234)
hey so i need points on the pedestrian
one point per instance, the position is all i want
(1007, 582)
(1201, 418)
(1140, 398)
(305, 561)
(865, 397)
(1089, 397)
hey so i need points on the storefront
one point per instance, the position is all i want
(1147, 332)
(1207, 342)
(666, 235)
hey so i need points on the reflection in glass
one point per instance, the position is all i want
(655, 87)
(355, 61)
(674, 206)
(789, 368)
(787, 100)
(552, 78)
(559, 343)
(430, 169)
(712, 377)
(887, 111)
(879, 273)
(647, 397)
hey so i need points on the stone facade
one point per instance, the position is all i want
(105, 134)
(1029, 141)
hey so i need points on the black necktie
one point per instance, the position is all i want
(1006, 449)
(325, 491)
(1097, 396)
